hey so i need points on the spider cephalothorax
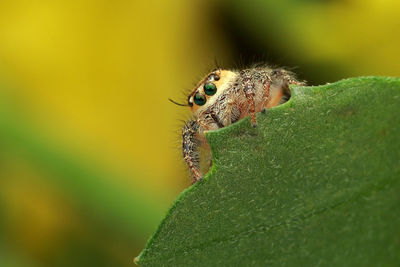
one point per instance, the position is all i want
(226, 96)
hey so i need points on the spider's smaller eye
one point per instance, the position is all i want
(190, 103)
(213, 77)
(210, 89)
(199, 99)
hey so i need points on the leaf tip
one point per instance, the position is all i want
(136, 260)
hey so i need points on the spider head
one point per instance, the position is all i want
(208, 89)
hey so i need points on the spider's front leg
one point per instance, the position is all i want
(190, 145)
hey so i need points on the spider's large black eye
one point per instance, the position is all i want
(199, 99)
(210, 89)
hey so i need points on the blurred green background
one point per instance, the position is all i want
(89, 145)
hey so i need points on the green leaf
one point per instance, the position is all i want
(315, 184)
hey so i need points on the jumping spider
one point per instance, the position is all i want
(226, 96)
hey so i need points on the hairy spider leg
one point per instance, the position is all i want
(267, 85)
(190, 145)
(248, 87)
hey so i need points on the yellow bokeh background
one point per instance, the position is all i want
(90, 146)
(99, 74)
